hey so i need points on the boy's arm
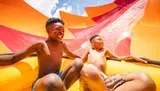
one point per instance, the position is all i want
(131, 58)
(70, 54)
(11, 59)
(111, 55)
(85, 57)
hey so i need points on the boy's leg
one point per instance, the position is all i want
(72, 72)
(50, 82)
(90, 77)
(133, 81)
(137, 82)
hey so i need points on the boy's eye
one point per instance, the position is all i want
(58, 28)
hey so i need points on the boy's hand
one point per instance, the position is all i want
(132, 58)
(140, 60)
(144, 61)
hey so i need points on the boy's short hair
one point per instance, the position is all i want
(94, 36)
(53, 20)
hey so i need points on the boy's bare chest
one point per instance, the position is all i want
(52, 50)
(96, 54)
(51, 56)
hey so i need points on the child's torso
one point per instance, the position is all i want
(98, 59)
(50, 58)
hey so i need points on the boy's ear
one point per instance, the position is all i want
(47, 30)
(92, 43)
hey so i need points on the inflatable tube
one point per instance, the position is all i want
(20, 76)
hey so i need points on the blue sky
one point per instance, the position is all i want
(51, 8)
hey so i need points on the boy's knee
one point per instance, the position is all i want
(145, 77)
(89, 67)
(148, 81)
(52, 81)
(90, 71)
(78, 65)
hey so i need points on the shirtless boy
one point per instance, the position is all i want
(93, 74)
(49, 55)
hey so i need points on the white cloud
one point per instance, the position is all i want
(43, 6)
(66, 9)
(77, 9)
(84, 14)
(64, 4)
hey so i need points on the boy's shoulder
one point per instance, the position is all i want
(106, 49)
(39, 44)
(90, 48)
(63, 43)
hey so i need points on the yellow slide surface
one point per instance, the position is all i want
(20, 76)
(146, 32)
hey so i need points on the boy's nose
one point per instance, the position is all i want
(61, 32)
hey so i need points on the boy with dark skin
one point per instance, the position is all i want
(93, 74)
(50, 54)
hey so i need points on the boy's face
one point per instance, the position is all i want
(55, 31)
(97, 43)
